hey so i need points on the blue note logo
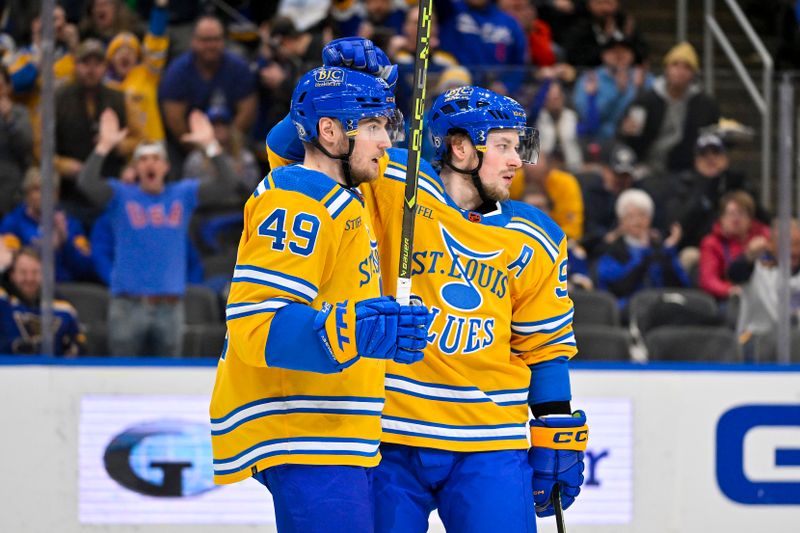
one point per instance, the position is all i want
(167, 458)
(758, 454)
(471, 268)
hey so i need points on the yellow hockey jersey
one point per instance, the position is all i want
(497, 284)
(306, 240)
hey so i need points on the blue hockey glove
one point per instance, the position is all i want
(360, 54)
(412, 332)
(377, 328)
(556, 456)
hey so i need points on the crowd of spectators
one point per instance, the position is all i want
(162, 107)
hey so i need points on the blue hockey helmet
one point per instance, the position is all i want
(346, 95)
(476, 111)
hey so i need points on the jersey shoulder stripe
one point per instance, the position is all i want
(310, 183)
(429, 180)
(272, 278)
(398, 158)
(537, 219)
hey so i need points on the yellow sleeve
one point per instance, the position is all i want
(565, 193)
(285, 254)
(155, 53)
(541, 328)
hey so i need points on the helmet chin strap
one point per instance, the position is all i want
(345, 159)
(473, 173)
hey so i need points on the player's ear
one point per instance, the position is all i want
(459, 146)
(329, 130)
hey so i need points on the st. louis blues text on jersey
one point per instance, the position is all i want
(497, 284)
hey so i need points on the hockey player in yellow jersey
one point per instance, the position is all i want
(494, 273)
(299, 387)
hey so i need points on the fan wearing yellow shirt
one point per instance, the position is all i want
(136, 72)
(299, 388)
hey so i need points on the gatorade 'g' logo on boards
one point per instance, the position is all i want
(458, 92)
(326, 77)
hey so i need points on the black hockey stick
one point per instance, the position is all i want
(556, 498)
(414, 149)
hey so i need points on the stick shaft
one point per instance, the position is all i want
(414, 150)
(562, 528)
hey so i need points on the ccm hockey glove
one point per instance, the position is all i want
(556, 456)
(377, 328)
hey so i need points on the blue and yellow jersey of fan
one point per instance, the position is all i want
(497, 284)
(306, 240)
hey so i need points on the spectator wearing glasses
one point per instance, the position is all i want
(207, 76)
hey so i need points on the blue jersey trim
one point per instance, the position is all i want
(568, 339)
(304, 410)
(286, 452)
(451, 426)
(295, 439)
(560, 322)
(426, 384)
(448, 437)
(296, 178)
(438, 398)
(292, 398)
(536, 216)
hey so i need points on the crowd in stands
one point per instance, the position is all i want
(162, 108)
